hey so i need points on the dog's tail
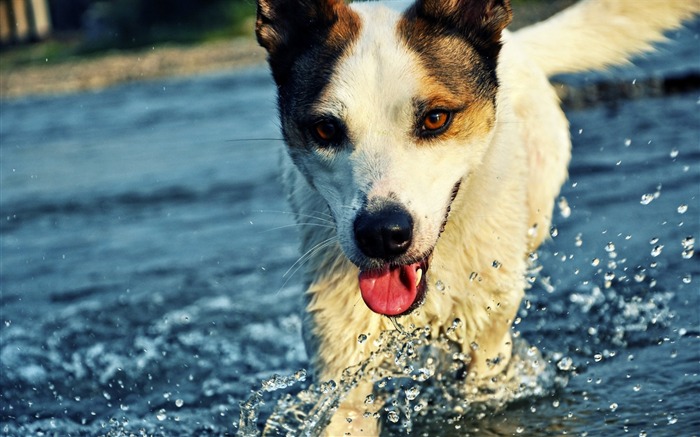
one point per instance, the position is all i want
(595, 34)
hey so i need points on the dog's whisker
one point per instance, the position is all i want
(322, 217)
(293, 225)
(309, 253)
(299, 263)
(239, 140)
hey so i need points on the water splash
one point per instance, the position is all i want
(413, 373)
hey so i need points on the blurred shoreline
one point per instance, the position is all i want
(96, 73)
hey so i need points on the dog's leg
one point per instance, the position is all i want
(354, 417)
(493, 345)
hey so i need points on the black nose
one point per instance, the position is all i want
(384, 232)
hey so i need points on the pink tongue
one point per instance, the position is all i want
(390, 291)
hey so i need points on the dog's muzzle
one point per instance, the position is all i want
(395, 285)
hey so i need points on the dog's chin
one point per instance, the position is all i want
(396, 288)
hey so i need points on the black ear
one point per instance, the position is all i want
(480, 19)
(281, 23)
(289, 28)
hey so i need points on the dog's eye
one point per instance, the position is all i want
(435, 121)
(326, 131)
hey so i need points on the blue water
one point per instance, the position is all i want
(145, 243)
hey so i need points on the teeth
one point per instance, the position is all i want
(419, 275)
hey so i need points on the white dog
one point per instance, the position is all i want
(431, 141)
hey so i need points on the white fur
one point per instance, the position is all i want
(511, 177)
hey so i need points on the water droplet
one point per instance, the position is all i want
(674, 153)
(688, 241)
(688, 244)
(647, 198)
(412, 392)
(161, 414)
(656, 251)
(361, 338)
(393, 416)
(682, 209)
(595, 262)
(628, 142)
(687, 278)
(496, 264)
(565, 364)
(637, 387)
(300, 375)
(553, 231)
(578, 241)
(610, 247)
(532, 231)
(179, 403)
(672, 419)
(439, 285)
(564, 208)
(613, 406)
(473, 276)
(369, 399)
(598, 357)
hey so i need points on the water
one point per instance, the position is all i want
(145, 241)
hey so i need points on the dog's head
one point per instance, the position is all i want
(385, 113)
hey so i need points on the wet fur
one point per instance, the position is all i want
(377, 71)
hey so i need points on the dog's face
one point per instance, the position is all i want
(385, 113)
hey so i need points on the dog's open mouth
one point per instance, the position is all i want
(395, 290)
(398, 289)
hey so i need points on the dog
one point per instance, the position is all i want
(427, 146)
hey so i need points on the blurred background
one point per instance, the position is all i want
(57, 46)
(149, 271)
(98, 24)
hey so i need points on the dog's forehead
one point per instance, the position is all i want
(378, 71)
(397, 62)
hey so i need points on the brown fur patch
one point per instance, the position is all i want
(457, 77)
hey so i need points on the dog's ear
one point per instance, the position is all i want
(281, 23)
(483, 19)
(287, 28)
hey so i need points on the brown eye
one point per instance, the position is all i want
(435, 120)
(326, 131)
